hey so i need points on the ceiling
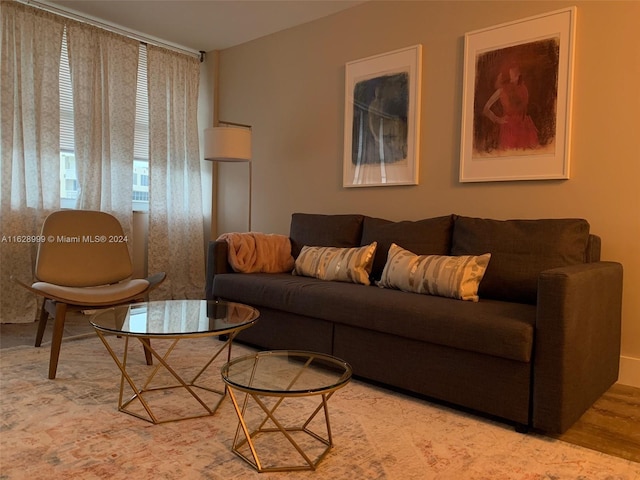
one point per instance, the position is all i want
(204, 24)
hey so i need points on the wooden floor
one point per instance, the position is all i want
(611, 426)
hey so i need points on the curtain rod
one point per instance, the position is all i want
(142, 38)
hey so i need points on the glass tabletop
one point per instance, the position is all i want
(287, 372)
(175, 318)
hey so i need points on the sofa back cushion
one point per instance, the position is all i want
(594, 248)
(318, 230)
(520, 250)
(431, 236)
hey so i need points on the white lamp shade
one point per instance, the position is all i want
(227, 144)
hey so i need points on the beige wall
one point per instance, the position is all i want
(290, 87)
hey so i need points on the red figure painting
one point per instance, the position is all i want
(515, 99)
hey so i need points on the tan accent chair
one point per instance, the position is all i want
(83, 264)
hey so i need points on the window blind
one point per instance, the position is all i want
(66, 100)
(141, 133)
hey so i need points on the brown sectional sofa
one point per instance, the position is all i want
(541, 345)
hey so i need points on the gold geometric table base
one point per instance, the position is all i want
(247, 449)
(142, 396)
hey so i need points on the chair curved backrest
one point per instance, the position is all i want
(82, 248)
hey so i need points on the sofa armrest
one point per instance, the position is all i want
(577, 341)
(217, 262)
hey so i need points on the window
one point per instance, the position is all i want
(140, 196)
(141, 136)
(69, 187)
(68, 177)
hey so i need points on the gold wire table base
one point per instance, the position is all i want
(194, 390)
(252, 457)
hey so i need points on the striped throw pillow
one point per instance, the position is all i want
(339, 264)
(441, 275)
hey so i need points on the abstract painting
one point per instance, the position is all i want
(381, 138)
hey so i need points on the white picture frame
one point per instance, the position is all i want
(517, 96)
(382, 119)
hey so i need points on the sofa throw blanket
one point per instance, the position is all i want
(255, 252)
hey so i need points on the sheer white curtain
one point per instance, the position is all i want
(104, 68)
(175, 196)
(29, 146)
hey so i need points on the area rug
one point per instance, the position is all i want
(70, 428)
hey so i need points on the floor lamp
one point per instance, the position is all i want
(229, 142)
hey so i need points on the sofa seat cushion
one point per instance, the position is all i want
(501, 329)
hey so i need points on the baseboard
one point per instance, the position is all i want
(629, 371)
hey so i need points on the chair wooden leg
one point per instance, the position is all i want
(146, 343)
(56, 340)
(42, 323)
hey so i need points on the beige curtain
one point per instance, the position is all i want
(29, 146)
(104, 69)
(175, 195)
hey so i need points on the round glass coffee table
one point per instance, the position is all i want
(305, 381)
(159, 326)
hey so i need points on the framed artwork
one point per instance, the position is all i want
(382, 119)
(516, 106)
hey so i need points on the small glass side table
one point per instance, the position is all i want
(172, 320)
(269, 379)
